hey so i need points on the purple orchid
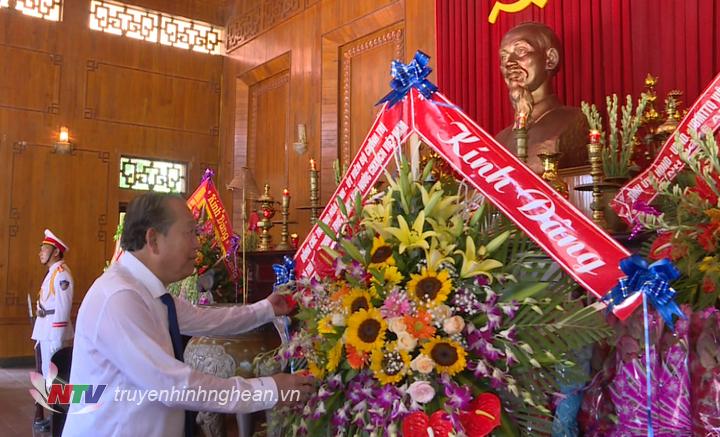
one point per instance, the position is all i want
(494, 315)
(509, 334)
(335, 383)
(510, 309)
(457, 397)
(640, 206)
(340, 417)
(385, 396)
(497, 380)
(482, 281)
(479, 369)
(339, 266)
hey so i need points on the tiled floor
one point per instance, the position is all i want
(17, 408)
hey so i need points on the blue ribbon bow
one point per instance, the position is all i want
(209, 174)
(406, 76)
(284, 272)
(653, 283)
(651, 280)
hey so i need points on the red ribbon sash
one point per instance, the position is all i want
(705, 113)
(389, 130)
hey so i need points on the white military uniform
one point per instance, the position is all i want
(53, 326)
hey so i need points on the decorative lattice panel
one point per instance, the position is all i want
(156, 27)
(47, 9)
(153, 175)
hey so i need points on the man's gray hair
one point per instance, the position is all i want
(146, 211)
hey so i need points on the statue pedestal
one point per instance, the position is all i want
(226, 357)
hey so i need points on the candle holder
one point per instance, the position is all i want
(285, 212)
(550, 172)
(521, 135)
(596, 171)
(314, 193)
(267, 209)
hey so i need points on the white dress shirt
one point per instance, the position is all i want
(122, 340)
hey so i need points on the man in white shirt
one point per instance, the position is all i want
(128, 334)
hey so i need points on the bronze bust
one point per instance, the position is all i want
(529, 57)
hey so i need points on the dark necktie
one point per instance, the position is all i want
(177, 343)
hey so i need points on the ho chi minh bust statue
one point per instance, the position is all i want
(529, 57)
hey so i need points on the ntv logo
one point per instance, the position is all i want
(46, 393)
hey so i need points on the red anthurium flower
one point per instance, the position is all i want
(418, 424)
(666, 246)
(661, 247)
(704, 190)
(706, 236)
(708, 285)
(483, 415)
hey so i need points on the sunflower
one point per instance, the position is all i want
(325, 326)
(448, 355)
(317, 371)
(334, 356)
(392, 275)
(381, 254)
(420, 326)
(430, 288)
(366, 330)
(389, 364)
(356, 300)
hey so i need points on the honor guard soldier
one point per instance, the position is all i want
(52, 325)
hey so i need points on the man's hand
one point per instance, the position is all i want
(293, 388)
(280, 305)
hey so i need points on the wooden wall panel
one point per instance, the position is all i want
(159, 102)
(377, 37)
(363, 81)
(62, 207)
(24, 65)
(269, 107)
(151, 99)
(340, 55)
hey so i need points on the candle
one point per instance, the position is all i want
(301, 135)
(286, 198)
(312, 165)
(64, 136)
(294, 240)
(594, 136)
(520, 120)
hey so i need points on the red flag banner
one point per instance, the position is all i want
(704, 114)
(206, 196)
